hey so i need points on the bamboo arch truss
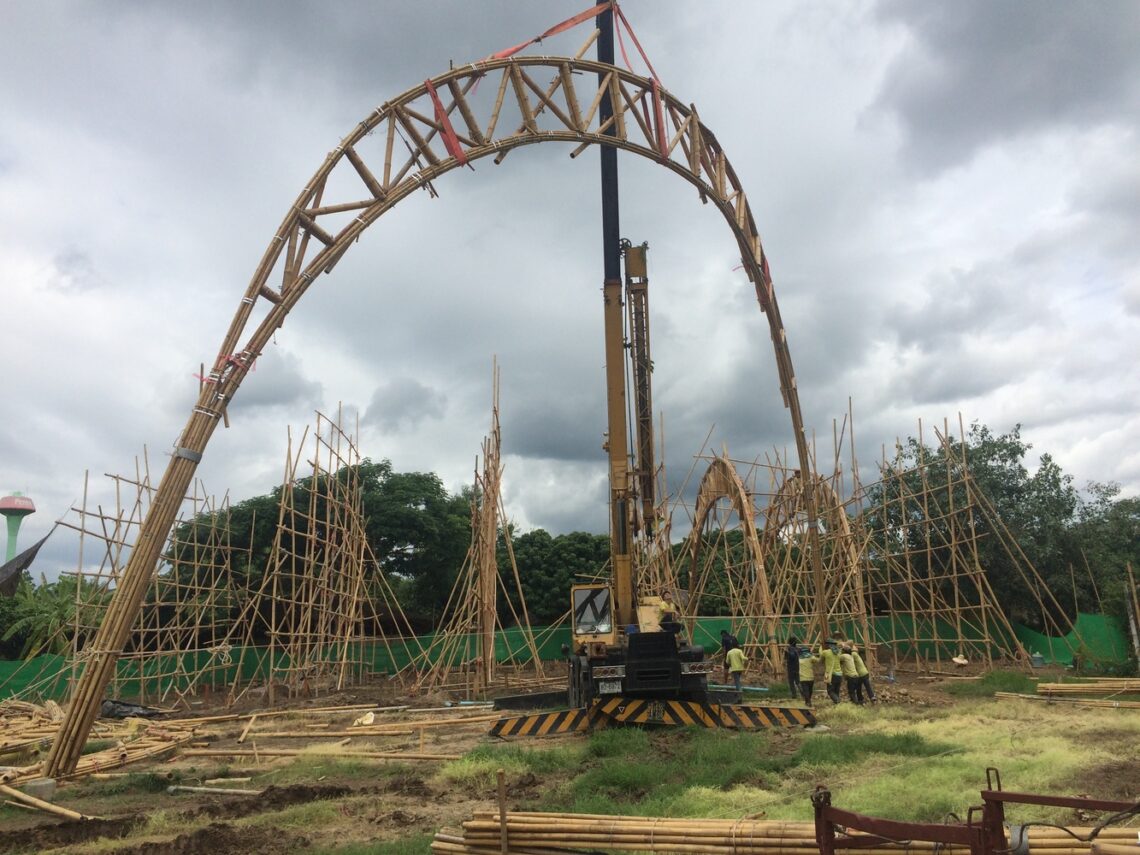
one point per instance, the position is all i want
(749, 557)
(904, 577)
(477, 111)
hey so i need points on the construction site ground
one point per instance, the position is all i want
(919, 754)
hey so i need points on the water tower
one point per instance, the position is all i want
(15, 508)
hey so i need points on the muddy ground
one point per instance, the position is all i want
(375, 802)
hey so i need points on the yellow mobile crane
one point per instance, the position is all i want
(625, 663)
(619, 645)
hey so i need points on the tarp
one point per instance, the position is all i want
(11, 571)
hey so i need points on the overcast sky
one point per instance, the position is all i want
(948, 193)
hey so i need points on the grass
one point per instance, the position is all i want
(133, 782)
(320, 769)
(308, 815)
(821, 751)
(994, 681)
(479, 768)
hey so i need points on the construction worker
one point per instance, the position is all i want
(832, 674)
(734, 663)
(667, 613)
(806, 666)
(792, 663)
(850, 675)
(864, 675)
(728, 641)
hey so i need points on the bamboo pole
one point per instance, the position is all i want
(40, 804)
(309, 752)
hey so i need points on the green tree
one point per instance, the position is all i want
(45, 614)
(548, 566)
(1014, 514)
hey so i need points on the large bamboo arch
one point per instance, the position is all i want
(722, 481)
(427, 131)
(784, 510)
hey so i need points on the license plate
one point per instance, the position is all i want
(609, 687)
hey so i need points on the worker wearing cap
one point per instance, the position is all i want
(832, 674)
(850, 675)
(864, 674)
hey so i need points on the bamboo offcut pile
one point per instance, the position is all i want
(152, 740)
(556, 833)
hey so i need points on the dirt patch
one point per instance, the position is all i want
(64, 833)
(271, 799)
(399, 819)
(408, 785)
(219, 837)
(1116, 781)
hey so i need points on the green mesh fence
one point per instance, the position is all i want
(1097, 639)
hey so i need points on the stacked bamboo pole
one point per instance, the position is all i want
(555, 833)
(1096, 686)
(1090, 703)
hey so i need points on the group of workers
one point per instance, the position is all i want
(839, 657)
(840, 662)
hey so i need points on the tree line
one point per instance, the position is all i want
(419, 533)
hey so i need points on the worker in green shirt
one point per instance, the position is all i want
(807, 673)
(864, 675)
(832, 674)
(850, 675)
(734, 663)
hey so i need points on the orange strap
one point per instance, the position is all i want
(450, 139)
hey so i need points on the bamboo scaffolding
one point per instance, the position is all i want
(463, 656)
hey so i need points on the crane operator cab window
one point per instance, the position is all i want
(593, 611)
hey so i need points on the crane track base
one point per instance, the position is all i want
(641, 711)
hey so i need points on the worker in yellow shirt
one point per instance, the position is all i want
(734, 662)
(864, 675)
(832, 674)
(850, 675)
(807, 664)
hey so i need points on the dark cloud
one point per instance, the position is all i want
(277, 380)
(982, 71)
(403, 403)
(955, 304)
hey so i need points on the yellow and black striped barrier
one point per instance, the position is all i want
(620, 710)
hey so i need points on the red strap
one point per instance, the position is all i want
(450, 140)
(592, 12)
(636, 43)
